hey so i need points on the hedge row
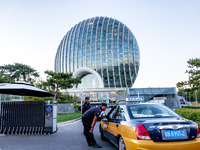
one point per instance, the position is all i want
(192, 107)
(189, 113)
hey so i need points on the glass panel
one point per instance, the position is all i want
(103, 53)
(88, 41)
(76, 47)
(89, 81)
(71, 59)
(79, 54)
(84, 43)
(148, 91)
(139, 91)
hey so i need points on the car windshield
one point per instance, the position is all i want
(150, 111)
(94, 105)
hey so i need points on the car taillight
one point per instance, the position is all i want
(142, 133)
(198, 131)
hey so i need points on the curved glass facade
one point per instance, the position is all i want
(103, 44)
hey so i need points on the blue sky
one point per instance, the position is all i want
(167, 31)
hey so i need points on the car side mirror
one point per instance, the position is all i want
(103, 115)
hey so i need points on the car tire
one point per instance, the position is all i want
(121, 144)
(103, 138)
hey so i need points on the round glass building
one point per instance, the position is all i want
(102, 51)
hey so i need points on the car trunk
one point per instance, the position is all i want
(173, 129)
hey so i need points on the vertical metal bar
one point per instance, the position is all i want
(189, 97)
(81, 102)
(196, 97)
(0, 116)
(186, 96)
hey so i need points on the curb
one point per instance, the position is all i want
(67, 122)
(1, 134)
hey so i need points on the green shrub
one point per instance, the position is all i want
(192, 107)
(76, 106)
(60, 101)
(189, 113)
(33, 98)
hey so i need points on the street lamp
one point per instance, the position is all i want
(196, 96)
(81, 101)
(186, 96)
(189, 97)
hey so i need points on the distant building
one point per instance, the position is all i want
(166, 96)
(102, 51)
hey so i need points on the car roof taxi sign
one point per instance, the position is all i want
(136, 99)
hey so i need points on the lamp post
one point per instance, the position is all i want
(196, 96)
(81, 101)
(189, 97)
(186, 96)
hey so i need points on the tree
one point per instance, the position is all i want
(194, 73)
(60, 80)
(182, 85)
(193, 82)
(19, 72)
(43, 85)
(5, 78)
(120, 92)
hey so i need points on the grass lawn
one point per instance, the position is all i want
(68, 116)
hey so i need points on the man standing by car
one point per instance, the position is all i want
(86, 105)
(89, 120)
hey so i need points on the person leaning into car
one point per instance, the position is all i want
(86, 105)
(89, 120)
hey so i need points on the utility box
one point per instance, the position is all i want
(50, 117)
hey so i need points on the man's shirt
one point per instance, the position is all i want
(85, 107)
(91, 113)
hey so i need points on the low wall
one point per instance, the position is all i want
(65, 108)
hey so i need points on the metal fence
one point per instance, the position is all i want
(22, 117)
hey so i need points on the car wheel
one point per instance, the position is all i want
(103, 138)
(121, 144)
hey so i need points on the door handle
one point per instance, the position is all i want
(117, 125)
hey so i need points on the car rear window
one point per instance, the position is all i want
(150, 111)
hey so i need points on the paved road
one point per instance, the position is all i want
(68, 137)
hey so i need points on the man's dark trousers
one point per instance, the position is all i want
(89, 136)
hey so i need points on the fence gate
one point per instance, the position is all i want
(22, 117)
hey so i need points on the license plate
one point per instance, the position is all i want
(174, 134)
(105, 126)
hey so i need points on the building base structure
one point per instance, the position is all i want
(166, 96)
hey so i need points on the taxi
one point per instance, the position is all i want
(145, 126)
